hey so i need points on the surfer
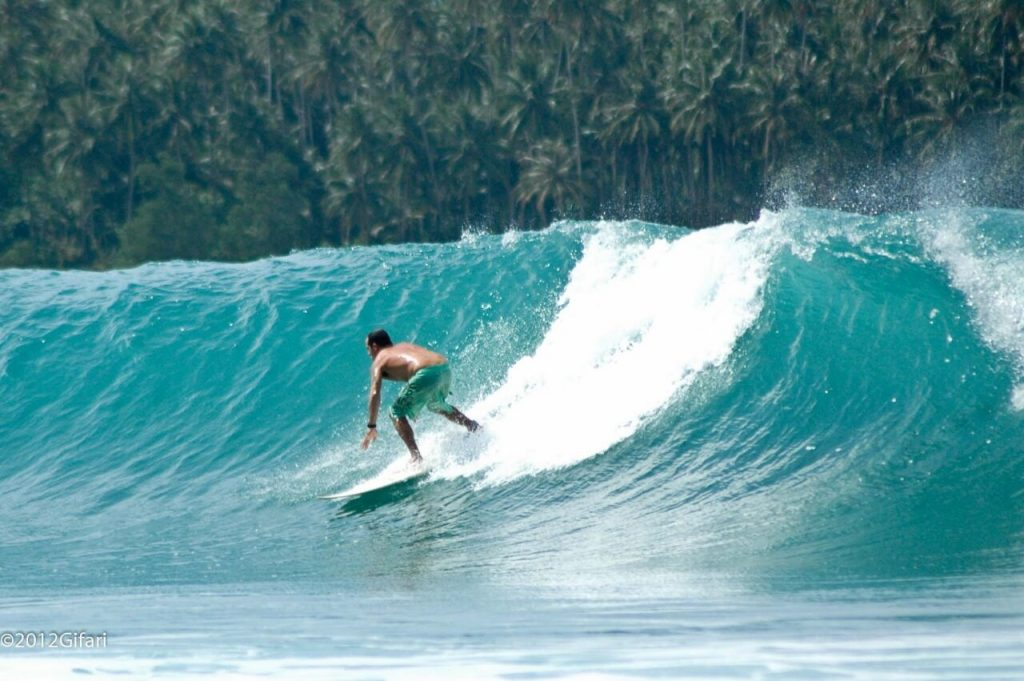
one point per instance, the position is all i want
(427, 378)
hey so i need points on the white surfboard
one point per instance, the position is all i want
(402, 470)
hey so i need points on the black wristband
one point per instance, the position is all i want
(371, 425)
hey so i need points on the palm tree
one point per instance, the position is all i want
(945, 106)
(635, 123)
(479, 164)
(774, 111)
(699, 108)
(547, 181)
(356, 178)
(528, 109)
(1000, 36)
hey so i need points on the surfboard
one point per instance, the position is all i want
(397, 473)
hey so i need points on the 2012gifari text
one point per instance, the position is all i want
(52, 640)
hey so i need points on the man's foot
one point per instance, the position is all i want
(472, 426)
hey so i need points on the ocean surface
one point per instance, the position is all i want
(789, 449)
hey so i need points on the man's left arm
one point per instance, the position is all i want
(376, 377)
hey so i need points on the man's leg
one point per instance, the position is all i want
(456, 416)
(404, 429)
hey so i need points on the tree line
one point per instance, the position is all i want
(136, 131)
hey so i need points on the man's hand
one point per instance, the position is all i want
(371, 435)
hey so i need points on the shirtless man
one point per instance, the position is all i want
(427, 379)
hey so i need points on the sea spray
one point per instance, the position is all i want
(640, 317)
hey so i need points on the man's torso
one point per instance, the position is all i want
(401, 361)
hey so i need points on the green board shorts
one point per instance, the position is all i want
(428, 388)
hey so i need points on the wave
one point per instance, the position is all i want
(811, 393)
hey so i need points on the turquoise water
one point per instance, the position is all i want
(786, 449)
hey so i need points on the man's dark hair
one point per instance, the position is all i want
(379, 337)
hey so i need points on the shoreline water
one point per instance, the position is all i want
(946, 629)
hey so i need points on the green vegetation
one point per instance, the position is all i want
(132, 131)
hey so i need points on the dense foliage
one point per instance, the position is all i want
(132, 131)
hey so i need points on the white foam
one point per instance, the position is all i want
(637, 323)
(992, 280)
(1017, 399)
